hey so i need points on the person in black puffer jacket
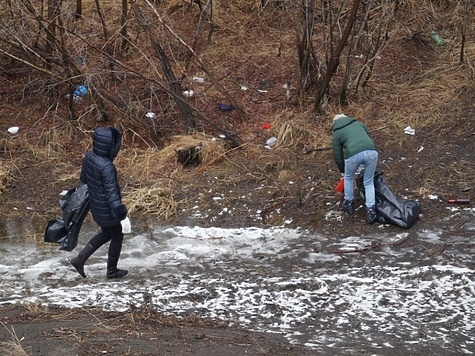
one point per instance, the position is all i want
(105, 200)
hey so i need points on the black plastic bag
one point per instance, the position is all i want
(390, 208)
(65, 230)
(55, 230)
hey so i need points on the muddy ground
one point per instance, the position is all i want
(51, 331)
(278, 186)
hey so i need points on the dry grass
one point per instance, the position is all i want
(35, 308)
(12, 348)
(155, 201)
(152, 175)
(7, 173)
(244, 49)
(295, 130)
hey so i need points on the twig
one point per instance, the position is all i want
(315, 149)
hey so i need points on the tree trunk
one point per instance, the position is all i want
(175, 85)
(78, 12)
(334, 60)
(53, 6)
(123, 23)
(304, 47)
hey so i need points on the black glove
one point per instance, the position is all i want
(120, 212)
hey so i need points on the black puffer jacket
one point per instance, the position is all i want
(100, 175)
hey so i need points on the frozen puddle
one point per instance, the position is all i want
(373, 294)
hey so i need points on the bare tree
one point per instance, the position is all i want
(308, 62)
(78, 12)
(335, 55)
(175, 85)
(123, 25)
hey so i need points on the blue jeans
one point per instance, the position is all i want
(369, 160)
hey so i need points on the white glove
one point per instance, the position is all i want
(126, 226)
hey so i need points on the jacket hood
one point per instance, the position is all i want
(106, 142)
(342, 122)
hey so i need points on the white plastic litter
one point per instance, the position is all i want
(13, 130)
(271, 142)
(188, 93)
(409, 131)
(150, 115)
(126, 225)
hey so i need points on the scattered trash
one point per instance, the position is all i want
(80, 91)
(420, 149)
(262, 91)
(409, 131)
(13, 130)
(188, 93)
(271, 142)
(244, 88)
(266, 126)
(80, 60)
(198, 80)
(222, 136)
(225, 107)
(438, 41)
(150, 115)
(433, 197)
(458, 201)
(340, 186)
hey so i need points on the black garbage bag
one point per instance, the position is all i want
(55, 230)
(65, 230)
(390, 208)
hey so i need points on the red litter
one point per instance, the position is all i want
(340, 186)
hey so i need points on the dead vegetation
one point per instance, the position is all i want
(13, 347)
(244, 70)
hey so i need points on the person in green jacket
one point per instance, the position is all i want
(353, 147)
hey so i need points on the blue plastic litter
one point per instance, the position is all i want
(225, 107)
(81, 90)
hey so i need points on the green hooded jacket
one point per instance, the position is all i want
(349, 138)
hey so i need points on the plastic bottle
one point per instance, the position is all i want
(438, 41)
(459, 201)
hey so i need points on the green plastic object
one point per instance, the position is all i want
(438, 41)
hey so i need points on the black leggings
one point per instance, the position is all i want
(114, 235)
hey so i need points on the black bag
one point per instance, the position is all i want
(390, 208)
(65, 230)
(55, 230)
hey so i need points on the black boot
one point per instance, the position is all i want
(347, 207)
(81, 258)
(371, 215)
(113, 271)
